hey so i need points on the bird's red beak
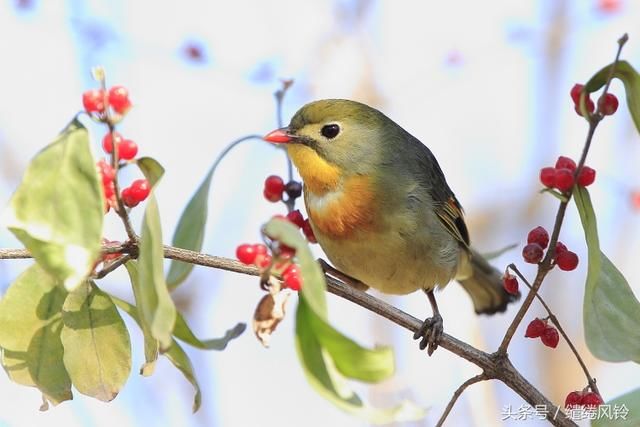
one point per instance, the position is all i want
(279, 136)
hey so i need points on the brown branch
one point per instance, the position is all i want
(456, 395)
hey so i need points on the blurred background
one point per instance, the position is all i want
(484, 84)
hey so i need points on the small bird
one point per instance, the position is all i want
(382, 211)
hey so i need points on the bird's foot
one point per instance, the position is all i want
(430, 333)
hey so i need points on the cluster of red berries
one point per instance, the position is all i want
(537, 242)
(274, 188)
(97, 100)
(131, 196)
(562, 175)
(584, 398)
(608, 103)
(258, 255)
(296, 218)
(539, 328)
(127, 149)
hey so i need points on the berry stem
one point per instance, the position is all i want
(112, 266)
(279, 95)
(547, 263)
(456, 394)
(551, 316)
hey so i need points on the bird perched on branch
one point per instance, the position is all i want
(381, 209)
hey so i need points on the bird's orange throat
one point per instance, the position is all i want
(318, 175)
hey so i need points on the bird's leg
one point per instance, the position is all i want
(432, 328)
(345, 278)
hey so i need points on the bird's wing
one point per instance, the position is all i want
(450, 214)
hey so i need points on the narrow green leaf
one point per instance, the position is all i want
(30, 334)
(495, 254)
(175, 353)
(182, 331)
(181, 360)
(611, 312)
(631, 80)
(57, 211)
(151, 169)
(623, 411)
(323, 374)
(97, 349)
(189, 233)
(155, 303)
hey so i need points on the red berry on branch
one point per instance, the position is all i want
(273, 188)
(567, 260)
(591, 400)
(589, 104)
(573, 399)
(263, 261)
(510, 283)
(107, 141)
(292, 277)
(140, 189)
(587, 176)
(538, 235)
(109, 190)
(548, 177)
(246, 253)
(532, 253)
(128, 199)
(296, 218)
(106, 172)
(261, 249)
(119, 99)
(560, 247)
(127, 149)
(550, 337)
(94, 101)
(566, 163)
(286, 252)
(608, 104)
(576, 90)
(564, 179)
(308, 232)
(535, 328)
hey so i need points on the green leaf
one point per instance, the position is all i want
(321, 369)
(155, 303)
(175, 353)
(57, 211)
(180, 360)
(182, 331)
(151, 169)
(495, 254)
(189, 233)
(631, 80)
(611, 312)
(97, 349)
(623, 411)
(30, 334)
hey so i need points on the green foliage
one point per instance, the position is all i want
(97, 349)
(631, 401)
(57, 211)
(32, 353)
(611, 310)
(631, 80)
(328, 357)
(182, 331)
(151, 169)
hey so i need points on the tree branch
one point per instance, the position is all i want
(456, 395)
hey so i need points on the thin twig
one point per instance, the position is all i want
(556, 322)
(456, 395)
(112, 266)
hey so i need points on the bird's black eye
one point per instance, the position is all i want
(330, 131)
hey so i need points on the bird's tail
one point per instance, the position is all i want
(484, 285)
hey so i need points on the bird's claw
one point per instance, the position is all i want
(430, 333)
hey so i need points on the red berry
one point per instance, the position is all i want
(587, 176)
(591, 400)
(292, 278)
(576, 90)
(127, 149)
(588, 103)
(608, 105)
(128, 199)
(550, 337)
(535, 328)
(286, 252)
(548, 177)
(246, 253)
(273, 188)
(567, 260)
(510, 284)
(140, 189)
(263, 261)
(560, 247)
(296, 218)
(106, 172)
(119, 99)
(260, 249)
(107, 142)
(308, 231)
(573, 399)
(564, 179)
(539, 235)
(109, 190)
(94, 101)
(532, 253)
(566, 163)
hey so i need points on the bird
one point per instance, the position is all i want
(381, 209)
